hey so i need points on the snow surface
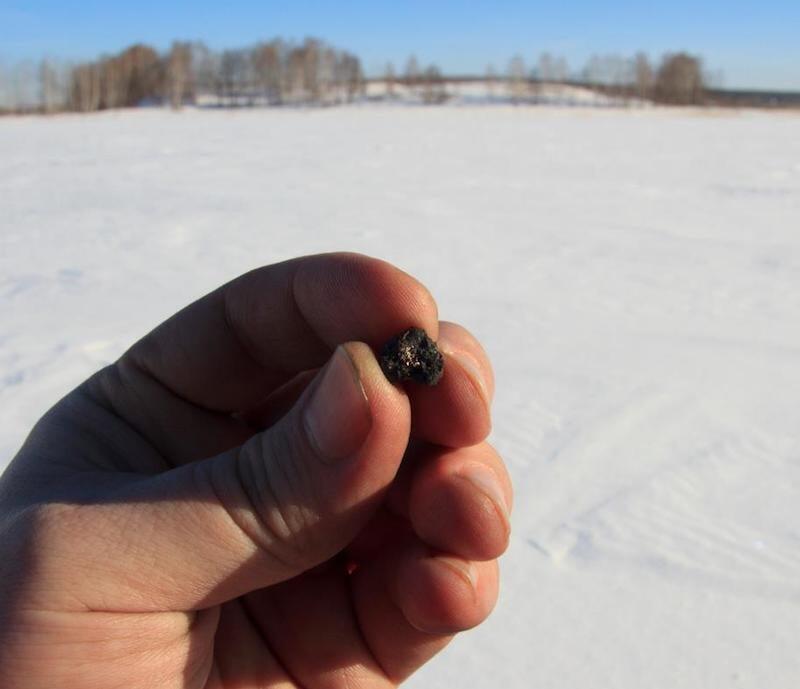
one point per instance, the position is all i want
(635, 276)
(495, 92)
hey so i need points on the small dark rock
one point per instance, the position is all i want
(412, 355)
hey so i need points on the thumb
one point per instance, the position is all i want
(288, 499)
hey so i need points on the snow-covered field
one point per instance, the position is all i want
(635, 276)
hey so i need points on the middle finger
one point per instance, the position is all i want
(456, 412)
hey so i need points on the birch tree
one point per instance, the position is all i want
(517, 79)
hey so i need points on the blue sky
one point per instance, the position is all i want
(754, 44)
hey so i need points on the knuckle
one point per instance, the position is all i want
(53, 522)
(279, 513)
(49, 535)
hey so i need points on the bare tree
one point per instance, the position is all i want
(294, 73)
(590, 72)
(124, 80)
(606, 70)
(557, 70)
(545, 67)
(517, 85)
(412, 74)
(233, 75)
(680, 80)
(179, 82)
(51, 87)
(112, 83)
(433, 90)
(23, 87)
(311, 69)
(353, 76)
(206, 70)
(329, 84)
(643, 76)
(85, 87)
(612, 74)
(267, 63)
(560, 70)
(142, 75)
(79, 89)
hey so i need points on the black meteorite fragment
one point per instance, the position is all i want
(412, 355)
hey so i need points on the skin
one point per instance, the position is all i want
(244, 501)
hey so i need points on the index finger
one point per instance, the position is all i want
(230, 349)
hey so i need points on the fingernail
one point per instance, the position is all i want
(337, 417)
(484, 480)
(469, 364)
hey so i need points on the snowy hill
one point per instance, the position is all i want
(470, 91)
(634, 274)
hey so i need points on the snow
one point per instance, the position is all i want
(482, 92)
(634, 274)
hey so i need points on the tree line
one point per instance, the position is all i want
(269, 73)
(281, 72)
(678, 79)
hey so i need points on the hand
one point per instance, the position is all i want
(215, 510)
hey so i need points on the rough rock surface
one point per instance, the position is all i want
(412, 355)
